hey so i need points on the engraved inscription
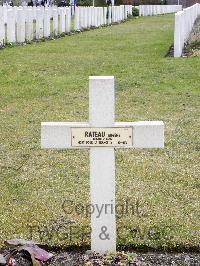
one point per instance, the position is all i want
(102, 137)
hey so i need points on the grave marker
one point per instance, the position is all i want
(29, 25)
(11, 26)
(55, 21)
(102, 135)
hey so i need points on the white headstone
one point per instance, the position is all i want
(2, 27)
(109, 15)
(105, 15)
(55, 21)
(68, 20)
(20, 26)
(39, 23)
(61, 20)
(29, 25)
(11, 38)
(46, 23)
(77, 23)
(147, 134)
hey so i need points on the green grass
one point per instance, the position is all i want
(48, 81)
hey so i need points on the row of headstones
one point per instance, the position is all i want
(4, 9)
(184, 21)
(151, 10)
(87, 17)
(23, 25)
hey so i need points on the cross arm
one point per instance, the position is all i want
(146, 134)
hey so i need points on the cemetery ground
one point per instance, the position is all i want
(44, 193)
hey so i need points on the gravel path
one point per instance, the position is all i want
(141, 259)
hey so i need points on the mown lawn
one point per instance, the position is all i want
(48, 81)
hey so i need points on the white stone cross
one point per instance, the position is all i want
(102, 135)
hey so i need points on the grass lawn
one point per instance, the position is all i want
(48, 81)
